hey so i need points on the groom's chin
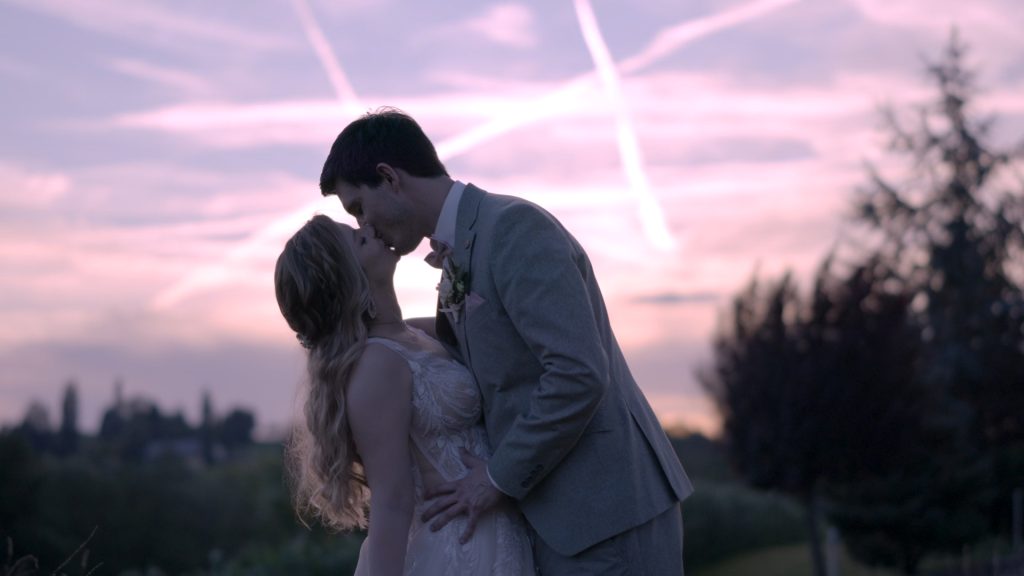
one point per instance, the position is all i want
(405, 250)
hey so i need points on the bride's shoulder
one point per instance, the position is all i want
(378, 404)
(379, 373)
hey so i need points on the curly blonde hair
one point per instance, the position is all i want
(324, 296)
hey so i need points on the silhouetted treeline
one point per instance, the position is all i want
(135, 429)
(890, 399)
(167, 515)
(163, 496)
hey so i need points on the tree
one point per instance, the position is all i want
(236, 429)
(67, 439)
(20, 478)
(36, 428)
(886, 392)
(956, 232)
(112, 425)
(795, 379)
(206, 428)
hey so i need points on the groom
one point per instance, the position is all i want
(575, 443)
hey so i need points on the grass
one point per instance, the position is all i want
(794, 560)
(28, 565)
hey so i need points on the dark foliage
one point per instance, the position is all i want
(894, 391)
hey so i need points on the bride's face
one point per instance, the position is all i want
(375, 258)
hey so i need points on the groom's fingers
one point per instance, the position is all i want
(439, 506)
(447, 516)
(471, 519)
(438, 491)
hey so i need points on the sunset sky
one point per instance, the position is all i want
(155, 155)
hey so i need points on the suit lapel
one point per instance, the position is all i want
(462, 256)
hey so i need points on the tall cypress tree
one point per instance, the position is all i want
(68, 436)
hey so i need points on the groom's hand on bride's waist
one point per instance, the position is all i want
(471, 496)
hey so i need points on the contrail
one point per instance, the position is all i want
(673, 38)
(210, 276)
(265, 241)
(526, 112)
(335, 73)
(652, 217)
(532, 110)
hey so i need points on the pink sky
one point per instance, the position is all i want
(156, 155)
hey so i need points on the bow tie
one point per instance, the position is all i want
(439, 251)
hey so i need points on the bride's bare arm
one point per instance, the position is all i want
(379, 410)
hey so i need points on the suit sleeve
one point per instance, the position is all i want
(541, 276)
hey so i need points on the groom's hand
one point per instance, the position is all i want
(471, 495)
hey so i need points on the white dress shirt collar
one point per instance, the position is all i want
(445, 230)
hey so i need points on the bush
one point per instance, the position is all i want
(724, 520)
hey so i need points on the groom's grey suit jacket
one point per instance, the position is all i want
(574, 440)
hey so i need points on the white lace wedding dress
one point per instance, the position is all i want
(446, 418)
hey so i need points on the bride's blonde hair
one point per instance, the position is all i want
(324, 296)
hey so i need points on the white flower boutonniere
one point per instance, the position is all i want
(452, 289)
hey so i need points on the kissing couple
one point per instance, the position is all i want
(506, 435)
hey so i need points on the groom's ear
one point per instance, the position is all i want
(389, 174)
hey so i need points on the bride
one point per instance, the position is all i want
(388, 414)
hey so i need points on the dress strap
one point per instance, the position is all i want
(399, 348)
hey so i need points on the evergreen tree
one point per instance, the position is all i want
(36, 428)
(957, 236)
(955, 229)
(206, 428)
(891, 388)
(67, 440)
(236, 429)
(796, 379)
(112, 425)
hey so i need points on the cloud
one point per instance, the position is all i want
(987, 28)
(509, 24)
(180, 80)
(21, 188)
(673, 37)
(665, 370)
(676, 298)
(107, 250)
(303, 122)
(14, 67)
(751, 127)
(666, 104)
(941, 15)
(153, 23)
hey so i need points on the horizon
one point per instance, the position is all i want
(157, 156)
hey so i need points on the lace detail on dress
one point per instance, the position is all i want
(446, 418)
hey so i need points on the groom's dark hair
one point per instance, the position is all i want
(385, 135)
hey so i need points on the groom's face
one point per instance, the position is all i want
(384, 209)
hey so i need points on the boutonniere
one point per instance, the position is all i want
(452, 289)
